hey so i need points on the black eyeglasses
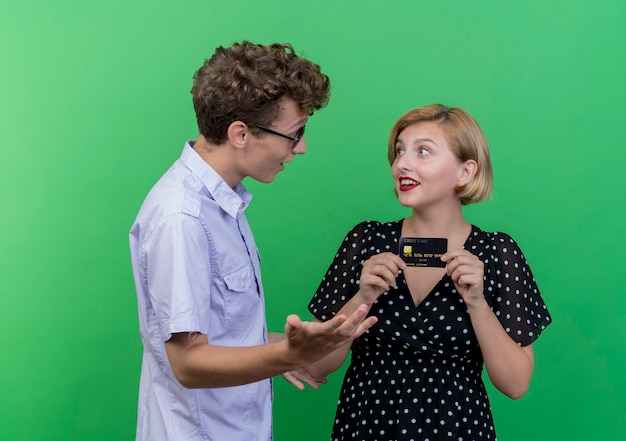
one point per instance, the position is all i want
(296, 139)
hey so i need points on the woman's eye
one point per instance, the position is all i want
(399, 151)
(422, 151)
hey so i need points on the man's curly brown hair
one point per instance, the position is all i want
(244, 82)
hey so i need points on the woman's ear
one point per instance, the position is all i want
(467, 171)
(238, 134)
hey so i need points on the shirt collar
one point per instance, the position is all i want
(229, 199)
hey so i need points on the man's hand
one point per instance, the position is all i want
(301, 377)
(310, 341)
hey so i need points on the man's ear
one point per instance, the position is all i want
(467, 171)
(238, 134)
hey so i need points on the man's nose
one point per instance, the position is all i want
(300, 148)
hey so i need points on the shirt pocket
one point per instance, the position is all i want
(242, 309)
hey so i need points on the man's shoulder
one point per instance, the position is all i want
(176, 192)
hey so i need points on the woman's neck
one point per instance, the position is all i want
(450, 225)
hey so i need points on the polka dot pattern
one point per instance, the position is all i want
(417, 374)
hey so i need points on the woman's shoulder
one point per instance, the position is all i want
(376, 227)
(495, 240)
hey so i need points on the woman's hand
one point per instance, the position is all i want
(467, 272)
(379, 275)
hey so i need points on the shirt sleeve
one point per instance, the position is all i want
(341, 281)
(516, 299)
(178, 271)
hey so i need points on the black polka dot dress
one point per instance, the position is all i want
(416, 374)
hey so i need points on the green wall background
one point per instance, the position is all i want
(95, 105)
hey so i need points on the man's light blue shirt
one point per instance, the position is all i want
(196, 269)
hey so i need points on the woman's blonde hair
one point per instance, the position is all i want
(465, 138)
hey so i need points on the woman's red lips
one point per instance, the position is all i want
(407, 184)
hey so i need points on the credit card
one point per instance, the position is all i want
(423, 251)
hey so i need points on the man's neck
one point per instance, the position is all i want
(220, 158)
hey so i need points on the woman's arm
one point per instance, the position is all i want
(509, 366)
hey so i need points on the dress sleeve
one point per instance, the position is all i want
(516, 299)
(341, 281)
